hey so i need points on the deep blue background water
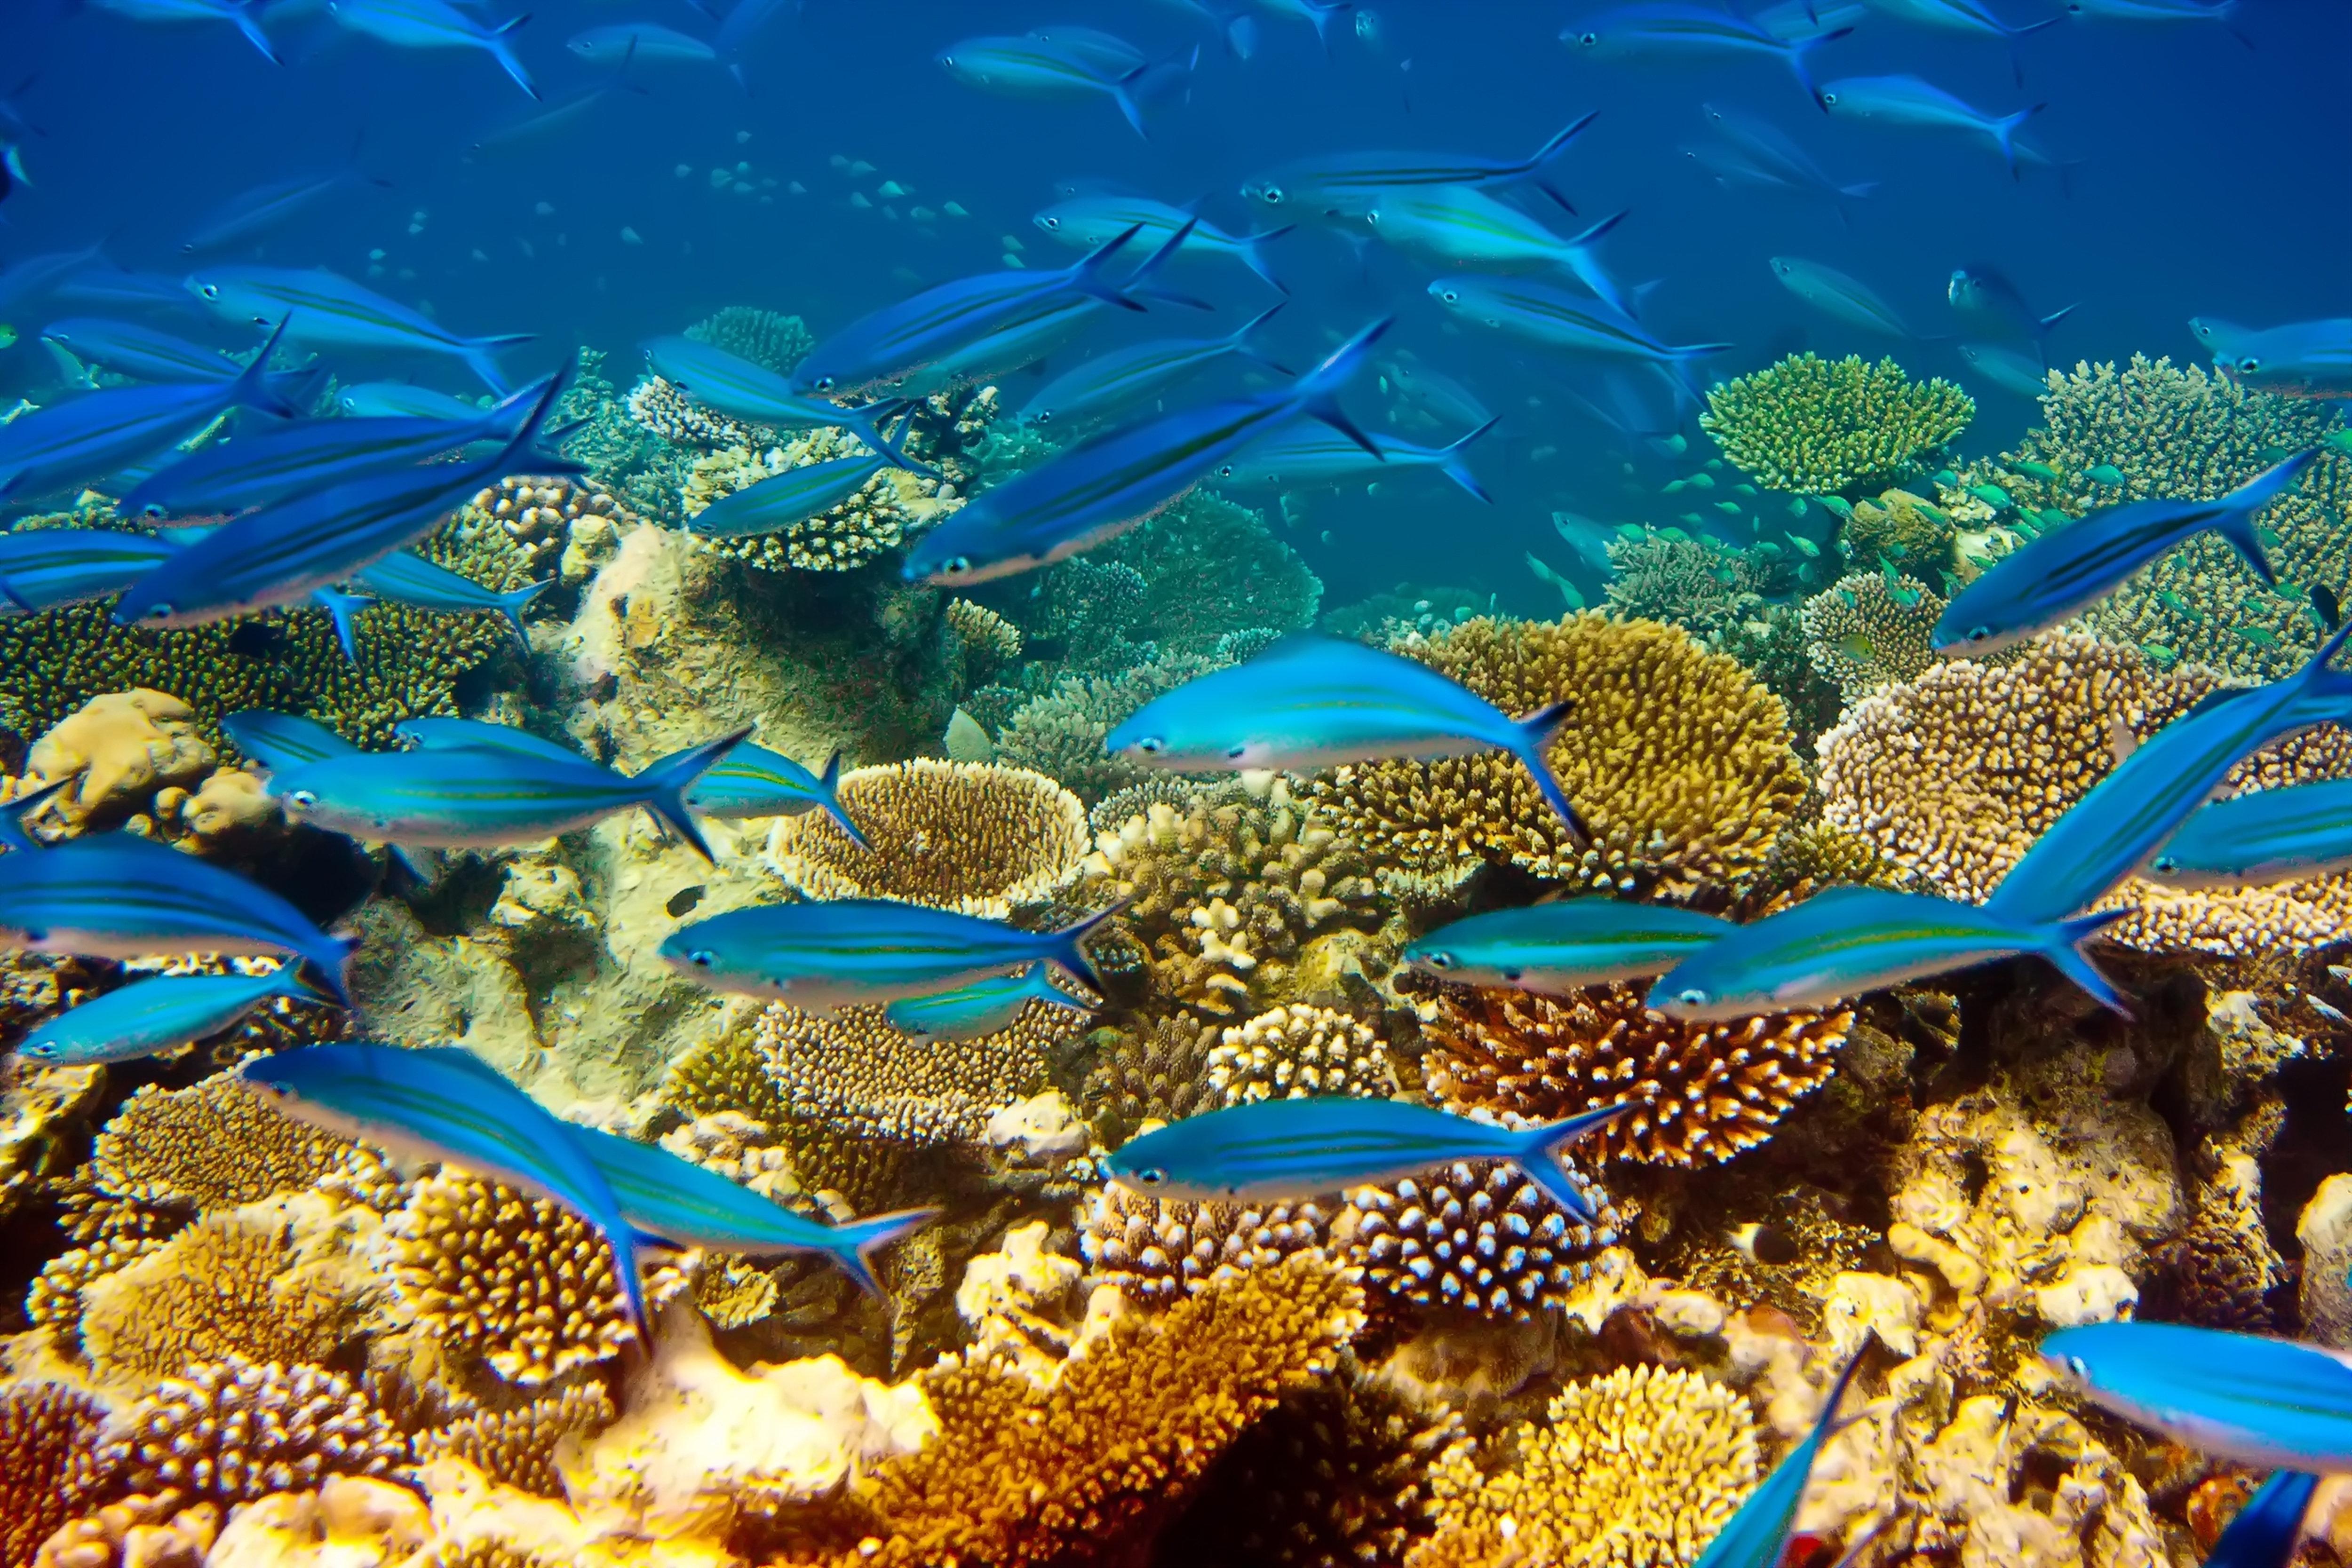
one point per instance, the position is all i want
(2212, 178)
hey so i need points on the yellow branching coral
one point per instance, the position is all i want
(1476, 1234)
(227, 1286)
(1679, 761)
(988, 640)
(726, 1085)
(214, 1145)
(1021, 1475)
(1226, 894)
(1866, 632)
(853, 1070)
(48, 1437)
(516, 1447)
(1709, 1090)
(1818, 427)
(1154, 1067)
(231, 1431)
(975, 837)
(1956, 774)
(1293, 1052)
(523, 1283)
(1640, 1469)
(1158, 1248)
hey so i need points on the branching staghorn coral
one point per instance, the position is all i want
(1710, 1089)
(1022, 1476)
(1818, 427)
(49, 1434)
(1476, 1234)
(856, 1071)
(1224, 896)
(1955, 775)
(978, 838)
(231, 1431)
(1639, 1468)
(1866, 632)
(1681, 763)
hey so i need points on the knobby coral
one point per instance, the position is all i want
(516, 1446)
(741, 1124)
(1820, 426)
(1156, 1249)
(227, 1286)
(1706, 1090)
(1211, 566)
(48, 1435)
(231, 1430)
(1295, 1052)
(856, 1071)
(1474, 1234)
(1061, 732)
(885, 509)
(978, 838)
(1870, 631)
(1678, 760)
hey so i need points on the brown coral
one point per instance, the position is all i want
(1956, 774)
(1680, 761)
(1224, 896)
(523, 1283)
(538, 511)
(1640, 1469)
(727, 1082)
(228, 1286)
(1476, 1234)
(1091, 1464)
(214, 1145)
(975, 837)
(853, 1070)
(1156, 1069)
(1156, 1249)
(231, 1430)
(1867, 632)
(1293, 1053)
(48, 1433)
(1709, 1090)
(516, 1447)
(990, 641)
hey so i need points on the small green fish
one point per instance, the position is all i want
(1676, 534)
(2033, 470)
(2032, 530)
(1944, 479)
(1744, 488)
(1992, 496)
(2260, 636)
(2105, 474)
(1797, 508)
(1934, 513)
(1730, 507)
(1896, 550)
(2272, 539)
(1632, 533)
(2339, 439)
(1905, 597)
(1672, 486)
(2159, 652)
(1724, 575)
(1838, 505)
(1851, 601)
(1702, 481)
(1805, 546)
(1858, 647)
(7, 335)
(2052, 518)
(2177, 605)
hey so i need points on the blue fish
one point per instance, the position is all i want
(1005, 349)
(2154, 10)
(69, 443)
(2112, 832)
(2049, 579)
(1120, 378)
(882, 349)
(143, 353)
(753, 781)
(1460, 225)
(1848, 299)
(1907, 100)
(1562, 946)
(274, 742)
(22, 281)
(156, 1014)
(617, 43)
(1316, 702)
(444, 1103)
(398, 399)
(658, 1194)
(1762, 154)
(981, 1007)
(2007, 367)
(1757, 1535)
(15, 815)
(405, 578)
(41, 569)
(279, 554)
(435, 24)
(846, 952)
(2267, 1530)
(741, 390)
(1041, 65)
(1092, 219)
(1673, 28)
(242, 14)
(539, 125)
(780, 500)
(1272, 1149)
(266, 206)
(468, 798)
(2260, 837)
(1849, 940)
(113, 288)
(329, 310)
(1994, 311)
(1103, 486)
(2273, 1404)
(1310, 454)
(1556, 318)
(116, 895)
(1347, 184)
(2303, 359)
(448, 734)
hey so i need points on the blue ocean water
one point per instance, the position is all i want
(2196, 179)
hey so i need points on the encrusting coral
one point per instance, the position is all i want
(118, 748)
(857, 1073)
(1955, 774)
(48, 1435)
(1680, 762)
(1708, 1090)
(973, 837)
(1818, 427)
(1867, 632)
(231, 1430)
(1639, 1468)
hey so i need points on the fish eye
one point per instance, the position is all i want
(1693, 998)
(161, 613)
(39, 1052)
(1828, 98)
(1588, 38)
(703, 957)
(1235, 753)
(1513, 975)
(2167, 863)
(959, 566)
(1979, 633)
(209, 290)
(2250, 366)
(302, 800)
(1045, 416)
(1151, 745)
(1051, 223)
(948, 60)
(2079, 1367)
(1438, 960)
(825, 383)
(1272, 195)
(1452, 297)
(1151, 1176)
(1373, 217)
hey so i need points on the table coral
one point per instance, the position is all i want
(1156, 1249)
(1024, 1475)
(1678, 759)
(231, 1430)
(49, 1436)
(1866, 632)
(1956, 774)
(853, 1070)
(1818, 427)
(977, 838)
(1292, 1052)
(1638, 1469)
(228, 1286)
(1476, 1234)
(1709, 1090)
(1223, 898)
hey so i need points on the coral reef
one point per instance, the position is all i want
(977, 838)
(49, 1436)
(1680, 762)
(229, 1286)
(1295, 1052)
(553, 519)
(1476, 1234)
(990, 641)
(885, 509)
(664, 411)
(1060, 733)
(1821, 427)
(1154, 1067)
(1900, 531)
(1210, 568)
(516, 1446)
(231, 1430)
(1870, 631)
(769, 339)
(856, 1072)
(1156, 1249)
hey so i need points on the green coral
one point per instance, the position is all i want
(769, 339)
(647, 473)
(1061, 732)
(410, 661)
(2189, 435)
(1820, 427)
(1903, 530)
(1211, 566)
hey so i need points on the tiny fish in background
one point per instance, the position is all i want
(1671, 28)
(1302, 1148)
